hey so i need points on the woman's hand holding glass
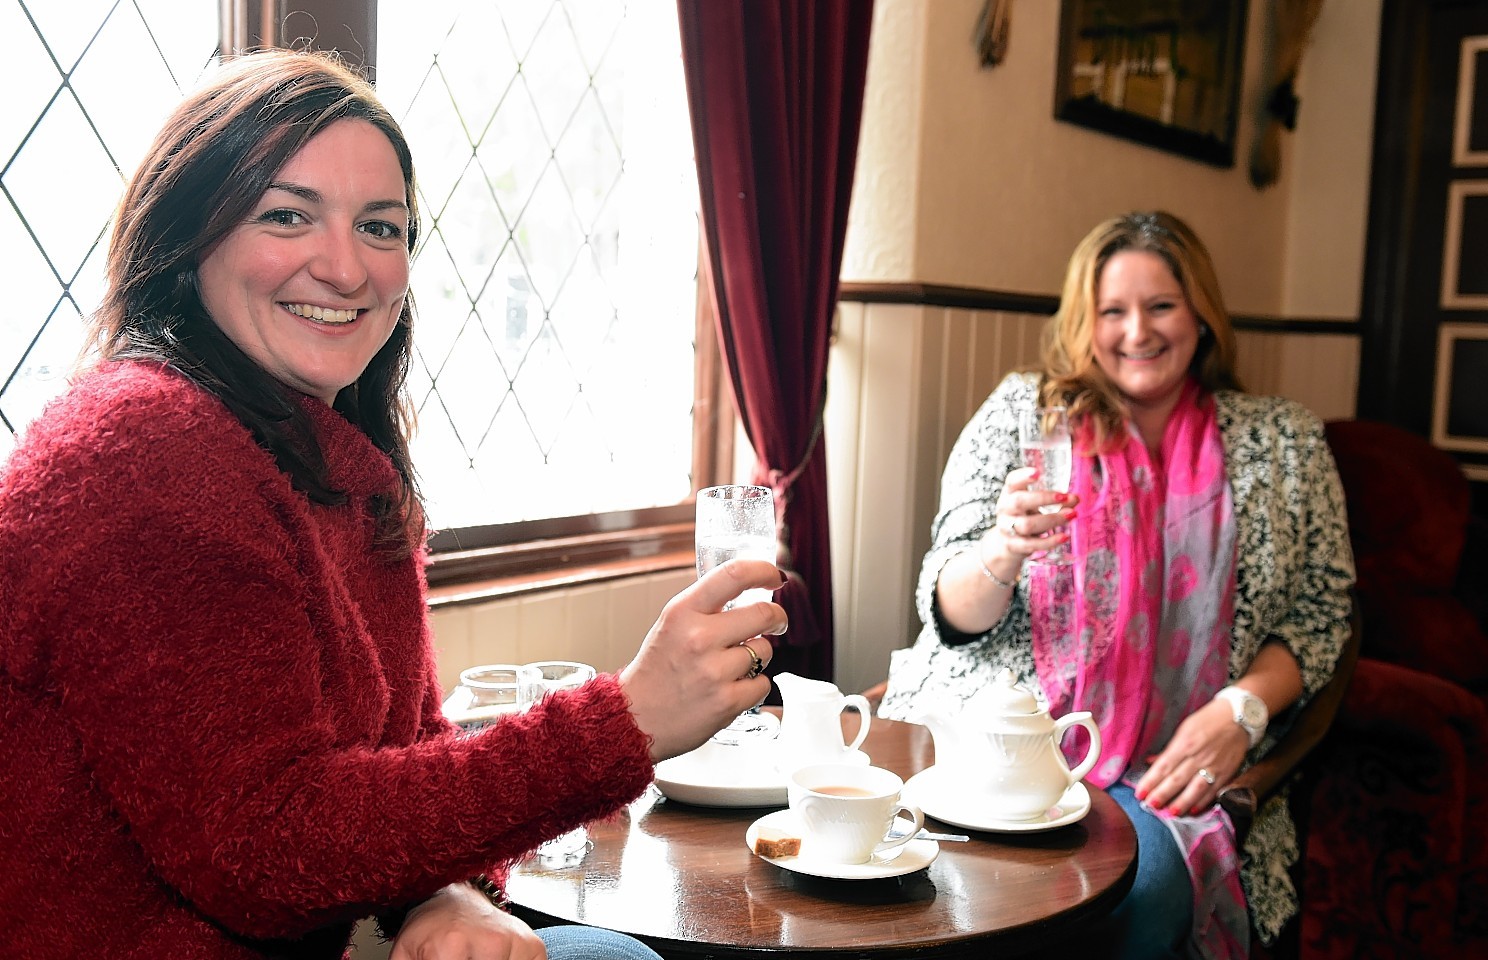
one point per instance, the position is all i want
(1023, 527)
(737, 520)
(1046, 445)
(691, 676)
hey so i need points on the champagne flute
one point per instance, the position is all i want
(1044, 438)
(738, 520)
(542, 678)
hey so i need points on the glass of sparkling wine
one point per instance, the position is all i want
(738, 520)
(1044, 437)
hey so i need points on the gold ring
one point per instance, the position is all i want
(1206, 776)
(756, 666)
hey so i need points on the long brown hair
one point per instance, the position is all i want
(208, 166)
(1071, 375)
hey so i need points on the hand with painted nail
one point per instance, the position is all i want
(701, 665)
(1185, 777)
(1029, 518)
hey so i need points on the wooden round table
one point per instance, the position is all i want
(680, 878)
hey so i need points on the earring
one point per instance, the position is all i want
(1203, 330)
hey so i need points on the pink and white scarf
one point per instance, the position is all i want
(1137, 629)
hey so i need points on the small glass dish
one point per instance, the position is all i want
(491, 691)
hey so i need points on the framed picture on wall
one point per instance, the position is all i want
(1464, 274)
(1166, 73)
(1459, 410)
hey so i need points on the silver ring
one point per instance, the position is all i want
(1206, 776)
(1009, 525)
(756, 666)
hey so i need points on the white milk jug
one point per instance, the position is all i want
(811, 724)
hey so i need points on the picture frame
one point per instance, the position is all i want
(1464, 278)
(1165, 73)
(1459, 406)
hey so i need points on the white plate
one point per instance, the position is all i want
(912, 856)
(719, 775)
(946, 805)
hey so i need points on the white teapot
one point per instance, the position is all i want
(1003, 751)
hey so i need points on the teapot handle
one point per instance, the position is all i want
(1081, 718)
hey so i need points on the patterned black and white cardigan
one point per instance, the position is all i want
(1293, 576)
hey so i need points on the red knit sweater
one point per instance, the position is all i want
(219, 707)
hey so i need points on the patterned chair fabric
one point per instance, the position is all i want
(1396, 858)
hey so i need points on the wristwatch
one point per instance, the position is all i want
(1250, 711)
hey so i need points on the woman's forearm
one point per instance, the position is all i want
(1274, 676)
(973, 596)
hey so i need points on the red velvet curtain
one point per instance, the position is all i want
(775, 88)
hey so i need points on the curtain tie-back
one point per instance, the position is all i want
(781, 483)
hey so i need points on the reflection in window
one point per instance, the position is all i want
(86, 85)
(555, 280)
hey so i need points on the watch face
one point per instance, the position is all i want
(1253, 712)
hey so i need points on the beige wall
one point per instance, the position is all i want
(965, 178)
(1328, 163)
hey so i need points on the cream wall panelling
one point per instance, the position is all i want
(905, 379)
(868, 417)
(602, 624)
(1318, 370)
(843, 429)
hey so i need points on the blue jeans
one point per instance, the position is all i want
(593, 943)
(1155, 918)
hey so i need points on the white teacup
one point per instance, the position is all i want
(846, 811)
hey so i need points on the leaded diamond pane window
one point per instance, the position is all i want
(555, 281)
(86, 84)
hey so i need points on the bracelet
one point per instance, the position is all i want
(987, 571)
(488, 888)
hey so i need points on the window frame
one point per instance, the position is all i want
(468, 564)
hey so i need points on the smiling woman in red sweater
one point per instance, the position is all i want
(217, 688)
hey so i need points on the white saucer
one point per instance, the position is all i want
(912, 856)
(722, 775)
(946, 805)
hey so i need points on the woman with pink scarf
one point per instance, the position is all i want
(1207, 597)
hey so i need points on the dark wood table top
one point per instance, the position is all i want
(681, 879)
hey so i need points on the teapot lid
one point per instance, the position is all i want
(1003, 697)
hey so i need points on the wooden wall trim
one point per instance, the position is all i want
(940, 295)
(510, 584)
(1003, 301)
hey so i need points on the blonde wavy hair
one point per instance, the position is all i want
(1071, 376)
